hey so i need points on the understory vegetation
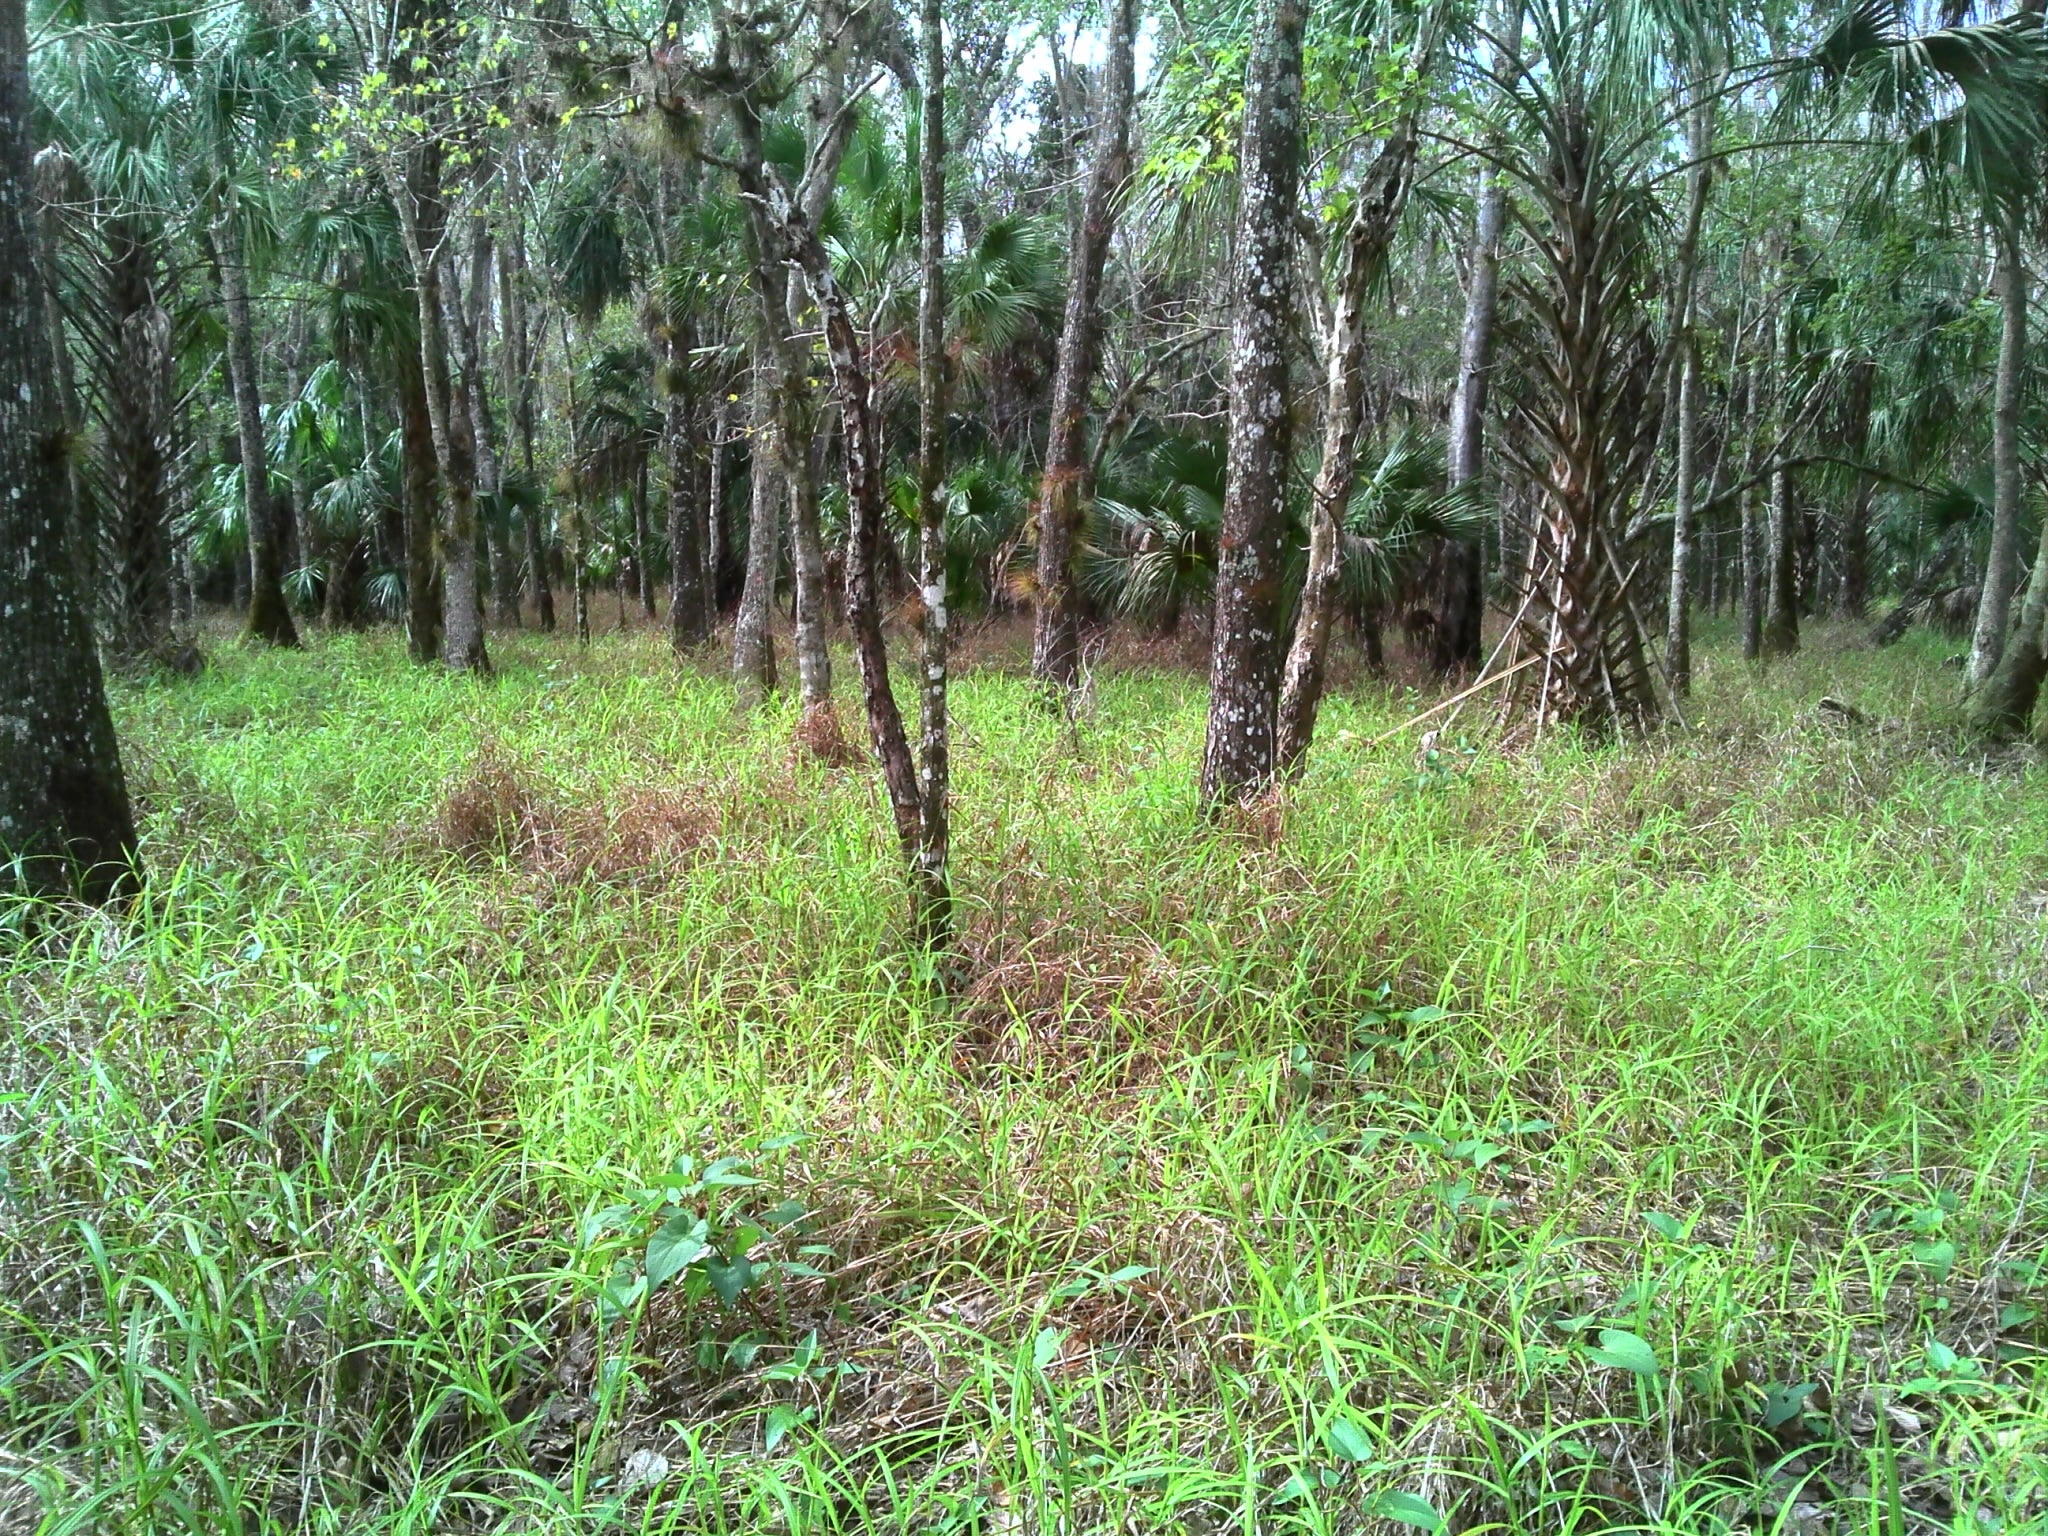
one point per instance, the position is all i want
(518, 1110)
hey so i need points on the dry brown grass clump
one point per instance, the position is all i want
(496, 812)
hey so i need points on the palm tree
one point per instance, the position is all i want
(65, 823)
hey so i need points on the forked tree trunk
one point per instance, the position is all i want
(1056, 633)
(933, 903)
(2001, 568)
(1373, 218)
(270, 620)
(65, 823)
(1244, 671)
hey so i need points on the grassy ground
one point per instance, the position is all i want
(1642, 1140)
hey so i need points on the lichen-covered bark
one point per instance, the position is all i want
(65, 823)
(1374, 215)
(1237, 759)
(929, 870)
(2001, 565)
(1055, 641)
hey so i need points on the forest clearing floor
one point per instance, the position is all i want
(1632, 1139)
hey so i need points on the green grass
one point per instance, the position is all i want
(1497, 1135)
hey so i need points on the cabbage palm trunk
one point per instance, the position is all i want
(65, 823)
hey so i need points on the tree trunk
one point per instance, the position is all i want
(1678, 612)
(1374, 214)
(1781, 551)
(932, 899)
(518, 359)
(1748, 542)
(689, 605)
(1781, 564)
(422, 566)
(270, 620)
(1056, 635)
(753, 641)
(2001, 569)
(1237, 759)
(139, 389)
(2000, 709)
(422, 222)
(799, 450)
(65, 823)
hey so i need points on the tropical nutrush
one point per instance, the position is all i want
(860, 756)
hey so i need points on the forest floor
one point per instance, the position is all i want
(1643, 1139)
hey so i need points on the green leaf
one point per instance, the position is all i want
(1670, 1228)
(1046, 1347)
(1347, 1441)
(1621, 1350)
(1428, 1013)
(729, 1277)
(1408, 1509)
(677, 1245)
(1127, 1274)
(1784, 1404)
(782, 1418)
(1938, 1256)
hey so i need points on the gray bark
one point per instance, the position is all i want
(2001, 568)
(1461, 596)
(65, 823)
(1055, 641)
(753, 642)
(929, 871)
(1374, 216)
(1237, 758)
(1678, 612)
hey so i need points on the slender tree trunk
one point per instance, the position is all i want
(270, 620)
(643, 545)
(930, 875)
(1056, 635)
(689, 604)
(1678, 612)
(753, 641)
(1237, 760)
(1374, 214)
(1748, 543)
(717, 527)
(519, 363)
(867, 506)
(802, 464)
(2001, 569)
(1781, 554)
(1781, 617)
(65, 822)
(422, 565)
(1461, 592)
